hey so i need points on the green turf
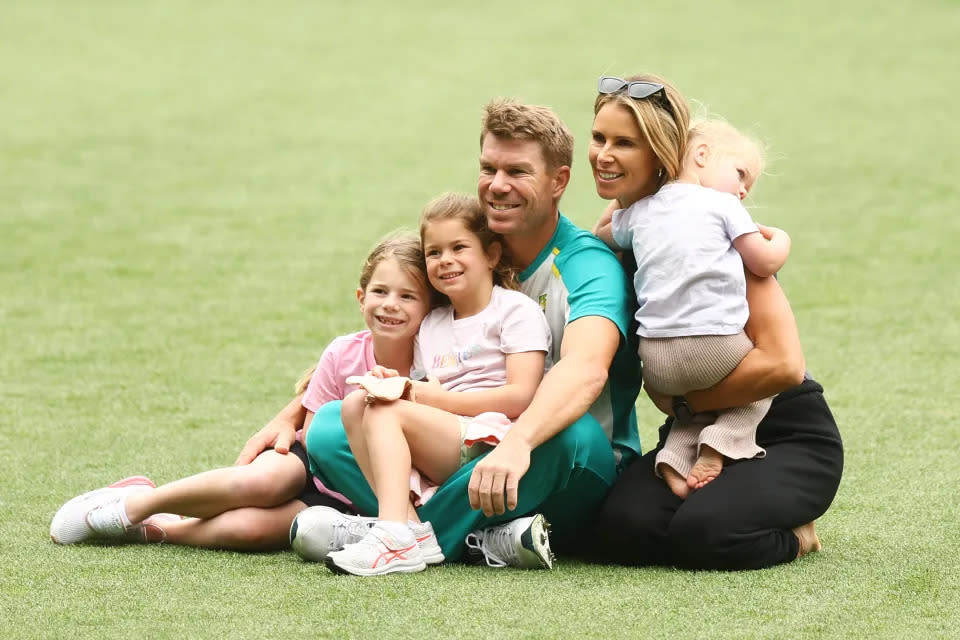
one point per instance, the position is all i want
(186, 192)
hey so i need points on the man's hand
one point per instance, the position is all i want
(278, 434)
(498, 475)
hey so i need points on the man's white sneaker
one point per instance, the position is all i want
(523, 543)
(378, 553)
(69, 524)
(427, 539)
(316, 531)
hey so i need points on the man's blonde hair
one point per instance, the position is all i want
(511, 120)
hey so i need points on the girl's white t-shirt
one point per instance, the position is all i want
(469, 354)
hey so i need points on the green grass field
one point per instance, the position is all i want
(187, 190)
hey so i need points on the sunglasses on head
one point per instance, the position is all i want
(638, 89)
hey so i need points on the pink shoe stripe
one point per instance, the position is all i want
(132, 481)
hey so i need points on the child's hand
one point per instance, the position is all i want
(769, 232)
(425, 392)
(383, 372)
(606, 217)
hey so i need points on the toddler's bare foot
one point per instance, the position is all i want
(707, 467)
(675, 481)
(807, 537)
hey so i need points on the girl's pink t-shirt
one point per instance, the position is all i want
(349, 355)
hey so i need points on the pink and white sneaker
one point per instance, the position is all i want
(378, 553)
(70, 525)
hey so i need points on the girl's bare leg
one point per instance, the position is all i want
(352, 412)
(243, 529)
(271, 479)
(402, 434)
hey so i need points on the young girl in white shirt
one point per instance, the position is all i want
(483, 355)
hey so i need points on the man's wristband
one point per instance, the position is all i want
(681, 409)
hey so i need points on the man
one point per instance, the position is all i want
(561, 456)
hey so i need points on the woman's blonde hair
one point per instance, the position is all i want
(664, 121)
(405, 248)
(467, 209)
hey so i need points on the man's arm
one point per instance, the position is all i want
(774, 364)
(565, 394)
(279, 433)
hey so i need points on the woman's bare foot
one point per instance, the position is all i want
(707, 467)
(807, 537)
(675, 481)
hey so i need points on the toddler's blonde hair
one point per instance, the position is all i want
(722, 137)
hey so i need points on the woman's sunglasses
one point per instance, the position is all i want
(638, 89)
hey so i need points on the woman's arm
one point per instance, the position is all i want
(774, 364)
(524, 372)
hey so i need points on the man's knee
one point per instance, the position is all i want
(326, 432)
(582, 445)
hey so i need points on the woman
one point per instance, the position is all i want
(758, 512)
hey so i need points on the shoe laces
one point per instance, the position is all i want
(106, 519)
(495, 543)
(347, 531)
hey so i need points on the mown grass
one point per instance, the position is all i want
(188, 189)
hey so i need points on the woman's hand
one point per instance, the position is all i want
(662, 401)
(774, 364)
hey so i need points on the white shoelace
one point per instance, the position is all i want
(106, 519)
(496, 545)
(347, 532)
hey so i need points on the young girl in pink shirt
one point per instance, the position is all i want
(251, 507)
(484, 356)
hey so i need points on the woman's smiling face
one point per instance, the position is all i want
(624, 165)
